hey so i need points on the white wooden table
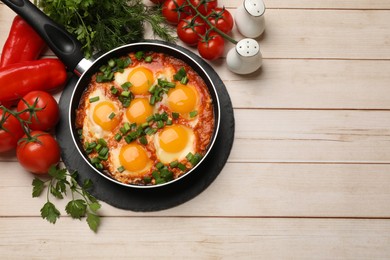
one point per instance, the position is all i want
(309, 173)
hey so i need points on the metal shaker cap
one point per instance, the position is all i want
(254, 7)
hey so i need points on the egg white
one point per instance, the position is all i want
(91, 130)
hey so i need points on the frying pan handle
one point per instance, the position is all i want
(62, 43)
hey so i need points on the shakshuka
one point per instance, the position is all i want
(146, 118)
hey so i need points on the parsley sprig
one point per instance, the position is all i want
(101, 25)
(82, 203)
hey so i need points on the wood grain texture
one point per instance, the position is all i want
(196, 238)
(309, 173)
(290, 34)
(312, 84)
(248, 190)
(322, 34)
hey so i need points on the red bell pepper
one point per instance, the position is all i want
(22, 44)
(16, 80)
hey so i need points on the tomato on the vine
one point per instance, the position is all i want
(222, 19)
(47, 116)
(190, 29)
(212, 46)
(10, 131)
(175, 10)
(204, 6)
(38, 153)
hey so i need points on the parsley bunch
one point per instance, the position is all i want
(82, 203)
(101, 25)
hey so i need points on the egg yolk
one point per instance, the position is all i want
(133, 157)
(173, 138)
(182, 99)
(141, 79)
(104, 115)
(139, 110)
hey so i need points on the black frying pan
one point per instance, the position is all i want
(68, 49)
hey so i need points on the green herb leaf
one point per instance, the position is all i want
(76, 208)
(102, 25)
(93, 221)
(62, 181)
(55, 191)
(95, 206)
(50, 212)
(59, 174)
(38, 186)
(87, 184)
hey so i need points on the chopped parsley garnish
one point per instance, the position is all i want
(126, 85)
(193, 113)
(94, 99)
(111, 116)
(159, 90)
(106, 72)
(180, 74)
(139, 55)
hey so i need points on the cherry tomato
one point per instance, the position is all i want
(211, 47)
(205, 5)
(175, 10)
(189, 30)
(10, 131)
(44, 119)
(39, 154)
(222, 19)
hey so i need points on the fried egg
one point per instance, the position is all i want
(174, 143)
(133, 158)
(140, 77)
(143, 129)
(102, 116)
(183, 99)
(139, 110)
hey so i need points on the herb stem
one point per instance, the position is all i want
(212, 27)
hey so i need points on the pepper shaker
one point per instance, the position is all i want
(245, 57)
(249, 18)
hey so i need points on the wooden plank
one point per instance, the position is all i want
(194, 238)
(311, 136)
(6, 18)
(320, 34)
(326, 34)
(315, 136)
(250, 189)
(329, 34)
(319, 84)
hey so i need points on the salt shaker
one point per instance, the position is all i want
(249, 18)
(245, 57)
